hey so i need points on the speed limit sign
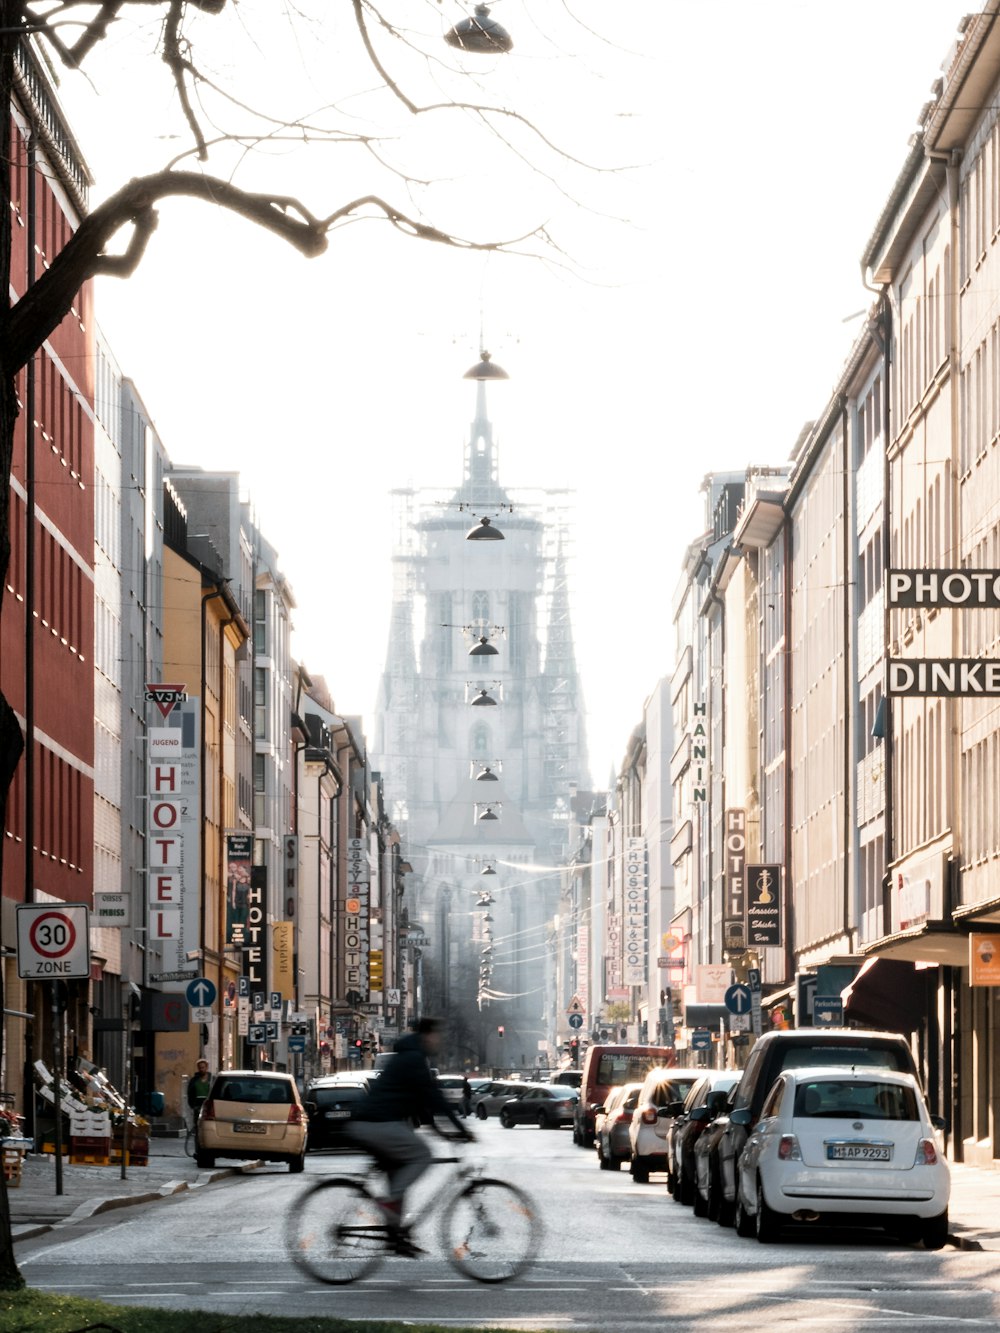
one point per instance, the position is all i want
(53, 941)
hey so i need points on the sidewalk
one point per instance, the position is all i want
(87, 1190)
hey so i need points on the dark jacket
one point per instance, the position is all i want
(406, 1089)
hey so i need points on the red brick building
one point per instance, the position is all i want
(47, 621)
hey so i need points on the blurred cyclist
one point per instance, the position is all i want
(405, 1093)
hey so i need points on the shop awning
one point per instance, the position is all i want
(923, 944)
(887, 993)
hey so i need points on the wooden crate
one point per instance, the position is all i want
(12, 1164)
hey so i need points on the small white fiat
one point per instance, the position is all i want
(849, 1145)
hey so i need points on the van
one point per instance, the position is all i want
(607, 1067)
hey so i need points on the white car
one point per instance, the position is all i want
(647, 1132)
(844, 1145)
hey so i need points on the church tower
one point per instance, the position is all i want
(480, 737)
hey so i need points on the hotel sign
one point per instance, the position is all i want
(734, 901)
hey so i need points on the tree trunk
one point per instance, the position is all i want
(11, 738)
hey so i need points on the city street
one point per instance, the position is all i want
(616, 1257)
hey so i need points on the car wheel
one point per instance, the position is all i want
(602, 1161)
(934, 1231)
(700, 1204)
(715, 1203)
(542, 1120)
(505, 1120)
(482, 1112)
(768, 1223)
(576, 1135)
(205, 1160)
(687, 1191)
(745, 1224)
(296, 1165)
(640, 1173)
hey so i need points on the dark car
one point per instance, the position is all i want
(568, 1078)
(773, 1053)
(703, 1104)
(546, 1106)
(332, 1104)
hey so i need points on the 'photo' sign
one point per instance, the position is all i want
(930, 588)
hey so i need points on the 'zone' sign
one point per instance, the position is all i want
(53, 941)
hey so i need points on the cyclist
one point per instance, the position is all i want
(405, 1093)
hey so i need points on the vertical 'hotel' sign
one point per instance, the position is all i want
(174, 758)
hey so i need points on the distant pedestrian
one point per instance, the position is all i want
(466, 1098)
(199, 1085)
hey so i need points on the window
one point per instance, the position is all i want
(260, 703)
(260, 622)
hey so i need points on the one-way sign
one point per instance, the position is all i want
(738, 999)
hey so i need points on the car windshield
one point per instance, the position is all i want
(836, 1098)
(342, 1094)
(878, 1057)
(614, 1070)
(259, 1090)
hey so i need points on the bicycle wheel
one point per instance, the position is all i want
(490, 1231)
(335, 1232)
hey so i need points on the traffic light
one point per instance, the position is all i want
(357, 1046)
(574, 1050)
(499, 1029)
(375, 974)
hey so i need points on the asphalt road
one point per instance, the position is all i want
(616, 1257)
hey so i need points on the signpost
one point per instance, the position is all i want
(828, 1011)
(738, 999)
(53, 941)
(53, 944)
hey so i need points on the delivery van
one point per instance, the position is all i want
(607, 1067)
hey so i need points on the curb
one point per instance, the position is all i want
(92, 1207)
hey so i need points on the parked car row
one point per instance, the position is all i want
(822, 1126)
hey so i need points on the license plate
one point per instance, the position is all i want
(245, 1127)
(859, 1152)
(338, 1115)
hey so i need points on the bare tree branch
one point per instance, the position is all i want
(180, 68)
(49, 299)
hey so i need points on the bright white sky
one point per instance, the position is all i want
(698, 336)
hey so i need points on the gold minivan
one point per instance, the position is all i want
(249, 1114)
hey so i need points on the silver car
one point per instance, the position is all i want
(490, 1099)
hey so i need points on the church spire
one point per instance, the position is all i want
(480, 480)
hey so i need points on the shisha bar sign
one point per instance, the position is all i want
(764, 905)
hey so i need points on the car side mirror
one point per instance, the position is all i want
(597, 1108)
(311, 1106)
(939, 1122)
(672, 1109)
(699, 1112)
(740, 1115)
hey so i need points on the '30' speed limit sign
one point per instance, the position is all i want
(53, 941)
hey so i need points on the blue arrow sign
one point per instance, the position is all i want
(201, 992)
(701, 1039)
(576, 1020)
(738, 999)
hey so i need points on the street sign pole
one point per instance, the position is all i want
(56, 1082)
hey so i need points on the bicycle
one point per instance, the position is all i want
(191, 1135)
(489, 1229)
